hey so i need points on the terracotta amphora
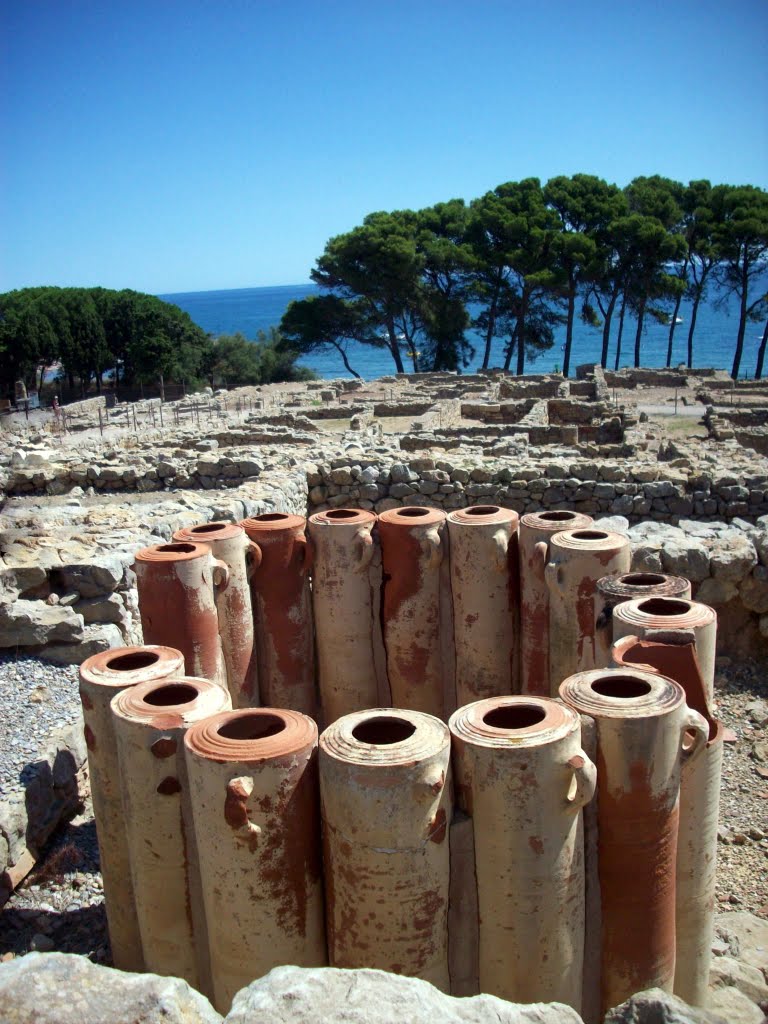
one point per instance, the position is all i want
(282, 611)
(627, 586)
(578, 559)
(536, 531)
(486, 601)
(386, 806)
(646, 618)
(253, 778)
(699, 809)
(149, 721)
(412, 549)
(645, 731)
(176, 584)
(524, 779)
(230, 545)
(101, 677)
(346, 580)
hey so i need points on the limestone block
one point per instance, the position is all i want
(747, 937)
(687, 557)
(93, 640)
(109, 608)
(732, 1005)
(654, 1006)
(100, 576)
(733, 558)
(28, 623)
(726, 972)
(292, 995)
(716, 592)
(754, 590)
(61, 988)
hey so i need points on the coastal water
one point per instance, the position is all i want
(250, 310)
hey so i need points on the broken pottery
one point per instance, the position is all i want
(230, 545)
(699, 809)
(253, 779)
(627, 586)
(646, 618)
(645, 732)
(536, 531)
(149, 721)
(523, 778)
(386, 807)
(282, 611)
(412, 550)
(176, 586)
(345, 605)
(485, 588)
(578, 559)
(101, 677)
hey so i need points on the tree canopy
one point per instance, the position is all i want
(89, 333)
(524, 258)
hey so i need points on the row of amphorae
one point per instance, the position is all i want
(555, 840)
(533, 848)
(347, 611)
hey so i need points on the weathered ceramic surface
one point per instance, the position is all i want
(522, 776)
(627, 586)
(176, 584)
(646, 617)
(484, 567)
(253, 778)
(578, 559)
(645, 732)
(282, 610)
(386, 805)
(536, 531)
(699, 809)
(412, 547)
(150, 720)
(101, 677)
(230, 545)
(346, 569)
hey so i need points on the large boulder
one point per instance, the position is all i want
(658, 1007)
(297, 995)
(29, 623)
(60, 988)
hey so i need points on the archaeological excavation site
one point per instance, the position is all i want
(429, 698)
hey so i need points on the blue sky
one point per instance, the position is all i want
(176, 146)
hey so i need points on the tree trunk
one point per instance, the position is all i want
(524, 301)
(673, 325)
(639, 332)
(607, 318)
(489, 333)
(621, 330)
(511, 348)
(692, 328)
(742, 321)
(344, 359)
(761, 353)
(394, 346)
(569, 331)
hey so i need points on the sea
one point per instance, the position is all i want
(250, 310)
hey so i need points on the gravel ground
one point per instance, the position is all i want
(36, 698)
(60, 906)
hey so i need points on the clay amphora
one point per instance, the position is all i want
(578, 559)
(253, 777)
(645, 731)
(149, 721)
(176, 584)
(628, 586)
(282, 611)
(345, 603)
(412, 550)
(486, 609)
(386, 806)
(523, 778)
(101, 677)
(536, 531)
(229, 545)
(645, 618)
(699, 808)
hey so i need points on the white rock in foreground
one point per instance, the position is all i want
(297, 995)
(61, 988)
